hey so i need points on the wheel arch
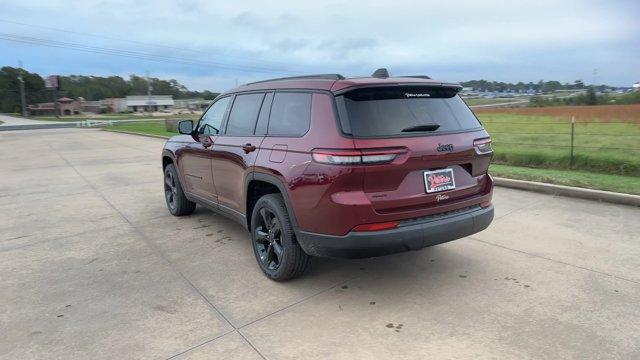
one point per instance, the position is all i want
(167, 158)
(258, 178)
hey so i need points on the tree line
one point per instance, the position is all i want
(89, 87)
(540, 86)
(98, 88)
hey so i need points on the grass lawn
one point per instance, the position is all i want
(73, 118)
(61, 118)
(545, 142)
(147, 127)
(584, 179)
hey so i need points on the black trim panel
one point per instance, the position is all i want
(218, 208)
(406, 237)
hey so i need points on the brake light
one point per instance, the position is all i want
(482, 146)
(377, 226)
(337, 157)
(356, 157)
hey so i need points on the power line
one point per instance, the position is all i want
(136, 42)
(137, 55)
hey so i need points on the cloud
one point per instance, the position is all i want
(509, 41)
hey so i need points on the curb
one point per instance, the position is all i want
(569, 191)
(139, 134)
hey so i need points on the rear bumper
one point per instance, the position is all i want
(410, 235)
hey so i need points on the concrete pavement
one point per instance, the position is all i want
(9, 120)
(93, 266)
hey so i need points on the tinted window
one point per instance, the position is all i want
(244, 113)
(263, 118)
(290, 114)
(212, 119)
(386, 111)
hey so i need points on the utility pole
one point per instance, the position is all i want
(149, 94)
(23, 99)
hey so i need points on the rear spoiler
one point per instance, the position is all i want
(453, 86)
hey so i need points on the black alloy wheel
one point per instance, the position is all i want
(268, 238)
(177, 201)
(275, 246)
(171, 191)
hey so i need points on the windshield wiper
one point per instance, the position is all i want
(424, 127)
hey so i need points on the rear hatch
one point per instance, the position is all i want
(440, 152)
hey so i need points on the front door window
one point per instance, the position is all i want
(211, 121)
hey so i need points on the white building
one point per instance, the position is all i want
(140, 103)
(192, 104)
(636, 87)
(115, 105)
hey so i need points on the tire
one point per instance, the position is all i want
(177, 202)
(277, 252)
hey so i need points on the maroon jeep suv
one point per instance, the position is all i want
(325, 165)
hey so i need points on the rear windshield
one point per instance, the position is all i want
(404, 111)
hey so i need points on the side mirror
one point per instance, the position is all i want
(185, 127)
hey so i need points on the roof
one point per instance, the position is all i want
(314, 82)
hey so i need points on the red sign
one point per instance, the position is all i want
(52, 82)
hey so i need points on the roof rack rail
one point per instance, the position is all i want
(416, 76)
(318, 76)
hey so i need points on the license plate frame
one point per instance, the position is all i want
(439, 180)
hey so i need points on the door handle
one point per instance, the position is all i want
(248, 148)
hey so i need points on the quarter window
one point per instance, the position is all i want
(244, 113)
(290, 114)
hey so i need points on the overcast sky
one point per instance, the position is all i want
(212, 44)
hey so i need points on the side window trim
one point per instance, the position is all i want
(268, 96)
(225, 120)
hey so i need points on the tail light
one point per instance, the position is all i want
(482, 146)
(356, 157)
(376, 226)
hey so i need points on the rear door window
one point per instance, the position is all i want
(243, 115)
(290, 114)
(404, 111)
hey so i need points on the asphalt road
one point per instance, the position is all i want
(93, 266)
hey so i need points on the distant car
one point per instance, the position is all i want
(330, 166)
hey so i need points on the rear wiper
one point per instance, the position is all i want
(425, 127)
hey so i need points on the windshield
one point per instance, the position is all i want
(403, 111)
